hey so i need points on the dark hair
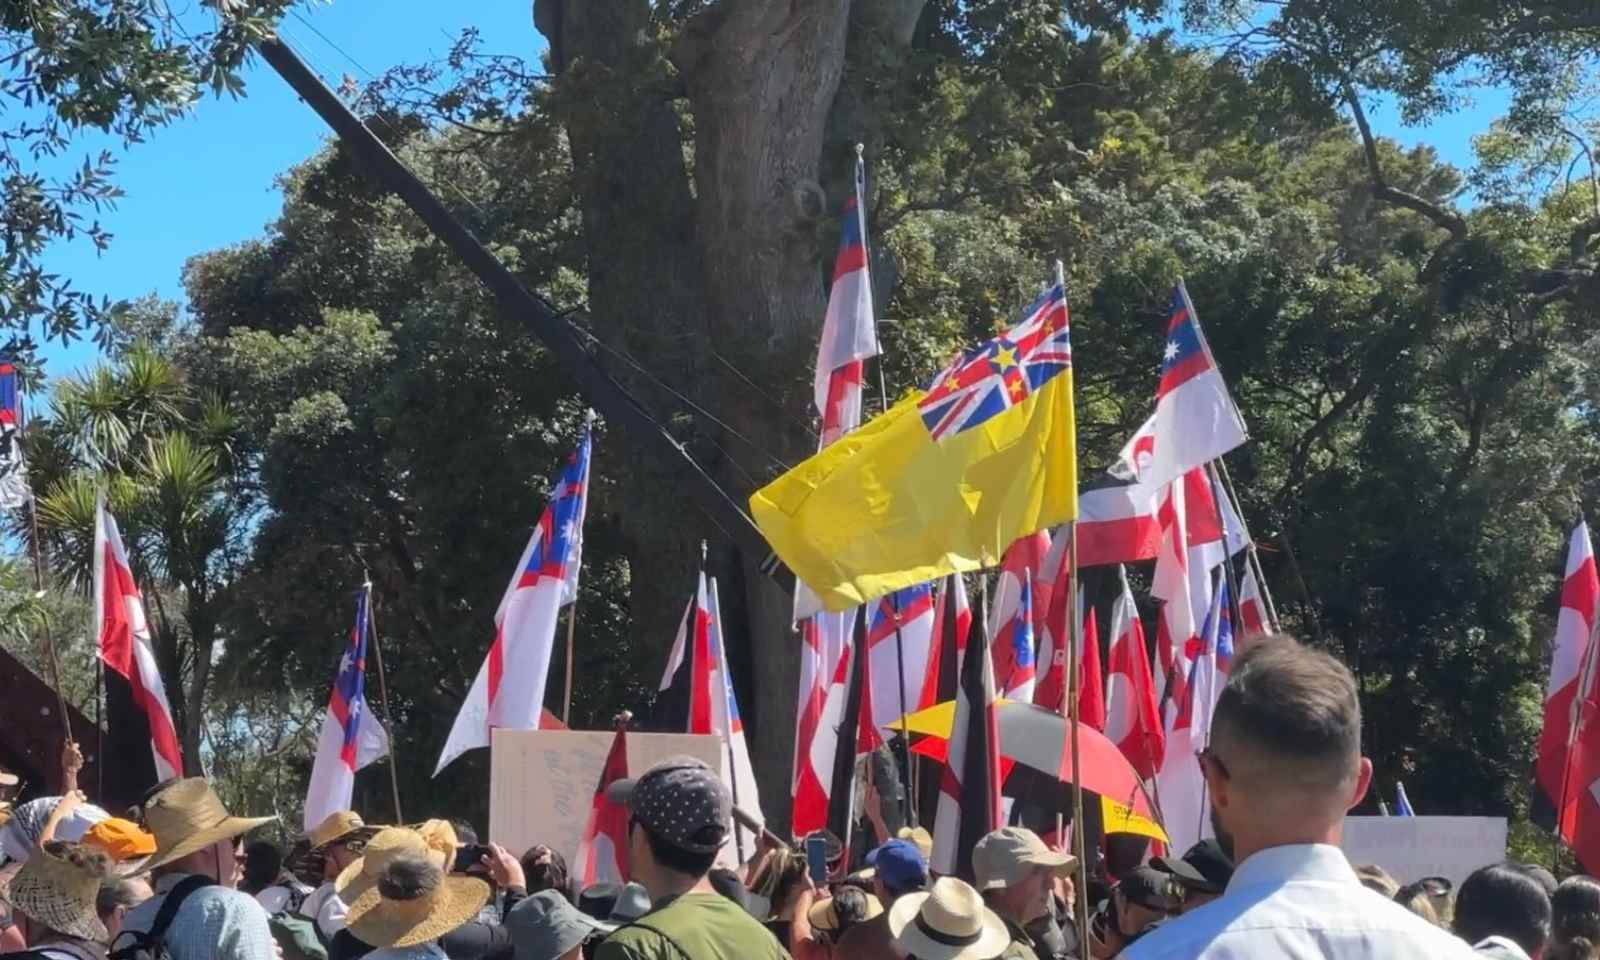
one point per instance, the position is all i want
(677, 859)
(727, 883)
(1296, 705)
(117, 892)
(1545, 879)
(549, 875)
(1575, 920)
(850, 906)
(408, 879)
(1503, 900)
(465, 833)
(263, 864)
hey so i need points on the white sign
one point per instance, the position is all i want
(1411, 848)
(542, 782)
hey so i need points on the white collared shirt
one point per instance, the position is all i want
(1300, 902)
(326, 909)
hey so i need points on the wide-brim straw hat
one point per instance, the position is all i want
(434, 841)
(57, 888)
(383, 922)
(189, 816)
(341, 826)
(949, 922)
(825, 916)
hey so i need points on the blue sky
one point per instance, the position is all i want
(209, 180)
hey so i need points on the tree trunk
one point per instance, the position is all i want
(718, 290)
(202, 642)
(761, 80)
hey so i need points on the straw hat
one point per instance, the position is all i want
(187, 817)
(434, 841)
(402, 896)
(57, 888)
(824, 915)
(341, 826)
(949, 922)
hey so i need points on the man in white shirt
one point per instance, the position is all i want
(1283, 766)
(336, 843)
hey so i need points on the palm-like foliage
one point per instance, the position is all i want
(163, 458)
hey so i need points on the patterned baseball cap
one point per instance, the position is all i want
(680, 800)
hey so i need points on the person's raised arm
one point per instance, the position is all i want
(63, 809)
(71, 763)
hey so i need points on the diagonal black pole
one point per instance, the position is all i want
(603, 393)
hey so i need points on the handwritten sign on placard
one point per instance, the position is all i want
(541, 782)
(1411, 848)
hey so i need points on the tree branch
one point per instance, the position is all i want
(1441, 216)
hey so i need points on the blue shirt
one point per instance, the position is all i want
(1301, 902)
(214, 923)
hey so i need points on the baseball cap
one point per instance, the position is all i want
(1149, 888)
(122, 840)
(1005, 856)
(680, 800)
(1205, 868)
(899, 864)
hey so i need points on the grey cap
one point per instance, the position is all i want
(544, 926)
(680, 800)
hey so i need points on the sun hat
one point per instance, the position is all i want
(919, 837)
(1204, 869)
(949, 922)
(57, 888)
(900, 865)
(341, 826)
(187, 817)
(825, 916)
(544, 925)
(1005, 856)
(680, 800)
(385, 847)
(122, 840)
(412, 900)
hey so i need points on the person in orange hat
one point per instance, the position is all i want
(128, 846)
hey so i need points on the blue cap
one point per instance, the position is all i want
(900, 865)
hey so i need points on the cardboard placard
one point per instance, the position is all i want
(1411, 848)
(541, 782)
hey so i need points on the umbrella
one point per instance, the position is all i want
(1038, 738)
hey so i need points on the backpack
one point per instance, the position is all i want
(297, 935)
(152, 944)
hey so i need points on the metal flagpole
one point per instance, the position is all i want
(1227, 555)
(383, 692)
(1075, 633)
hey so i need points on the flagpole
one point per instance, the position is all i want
(727, 739)
(1075, 633)
(52, 658)
(1251, 556)
(1227, 557)
(1585, 679)
(383, 692)
(572, 626)
(908, 808)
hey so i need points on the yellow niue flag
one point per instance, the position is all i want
(942, 482)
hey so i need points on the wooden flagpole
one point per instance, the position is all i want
(383, 692)
(572, 627)
(1074, 659)
(52, 658)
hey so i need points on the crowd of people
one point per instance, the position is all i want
(181, 878)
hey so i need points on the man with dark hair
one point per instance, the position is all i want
(898, 869)
(1283, 766)
(679, 814)
(1502, 910)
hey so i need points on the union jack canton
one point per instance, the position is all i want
(999, 375)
